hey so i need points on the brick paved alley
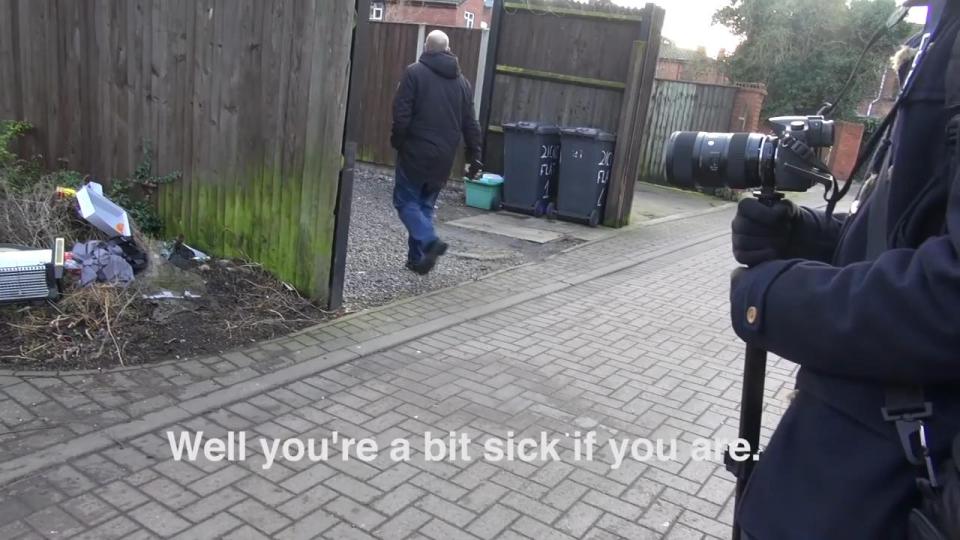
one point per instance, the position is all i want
(627, 337)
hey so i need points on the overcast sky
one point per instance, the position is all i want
(688, 23)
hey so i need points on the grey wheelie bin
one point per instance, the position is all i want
(531, 152)
(586, 158)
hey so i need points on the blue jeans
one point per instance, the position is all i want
(415, 205)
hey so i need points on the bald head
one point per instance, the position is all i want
(437, 41)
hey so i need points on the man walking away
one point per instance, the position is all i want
(432, 109)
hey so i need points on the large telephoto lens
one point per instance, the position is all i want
(735, 160)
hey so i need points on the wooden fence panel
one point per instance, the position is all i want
(681, 106)
(567, 66)
(246, 98)
(559, 42)
(392, 48)
(636, 101)
(571, 64)
(518, 99)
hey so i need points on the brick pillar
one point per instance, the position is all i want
(746, 107)
(843, 155)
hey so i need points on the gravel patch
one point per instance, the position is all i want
(378, 245)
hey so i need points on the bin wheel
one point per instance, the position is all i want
(551, 211)
(539, 209)
(594, 218)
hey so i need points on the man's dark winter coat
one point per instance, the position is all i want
(857, 324)
(433, 107)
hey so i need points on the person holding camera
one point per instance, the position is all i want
(868, 305)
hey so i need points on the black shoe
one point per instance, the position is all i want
(430, 256)
(411, 266)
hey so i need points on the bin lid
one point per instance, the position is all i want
(589, 133)
(535, 127)
(487, 178)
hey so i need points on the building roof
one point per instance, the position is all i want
(594, 6)
(427, 2)
(669, 50)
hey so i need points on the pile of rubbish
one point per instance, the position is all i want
(115, 257)
(105, 295)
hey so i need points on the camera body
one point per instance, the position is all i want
(785, 161)
(815, 131)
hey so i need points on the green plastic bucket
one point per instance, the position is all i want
(484, 192)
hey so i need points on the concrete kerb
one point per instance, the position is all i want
(677, 217)
(20, 467)
(650, 223)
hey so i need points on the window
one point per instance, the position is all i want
(468, 19)
(376, 11)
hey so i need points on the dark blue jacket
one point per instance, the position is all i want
(432, 108)
(834, 469)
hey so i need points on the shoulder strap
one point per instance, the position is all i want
(877, 226)
(906, 406)
(952, 93)
(952, 79)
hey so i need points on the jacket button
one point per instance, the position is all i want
(751, 314)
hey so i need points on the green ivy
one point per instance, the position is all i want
(15, 173)
(870, 126)
(136, 194)
(66, 178)
(10, 130)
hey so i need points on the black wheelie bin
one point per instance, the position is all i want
(586, 159)
(531, 152)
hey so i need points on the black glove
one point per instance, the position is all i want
(473, 170)
(762, 233)
(397, 140)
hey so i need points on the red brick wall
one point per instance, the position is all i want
(891, 84)
(681, 70)
(435, 14)
(843, 155)
(479, 13)
(668, 68)
(746, 108)
(879, 106)
(426, 14)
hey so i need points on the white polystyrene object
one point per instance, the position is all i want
(101, 212)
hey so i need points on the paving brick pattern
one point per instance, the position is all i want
(41, 409)
(641, 353)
